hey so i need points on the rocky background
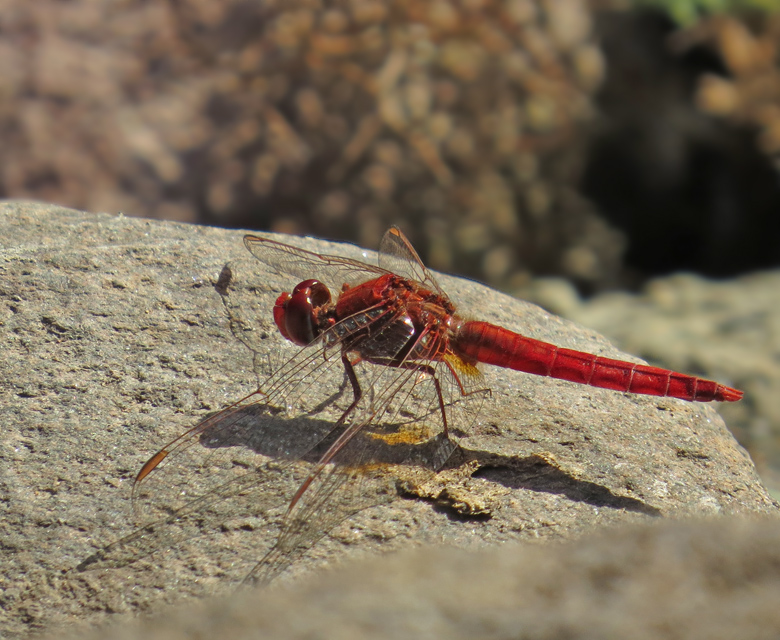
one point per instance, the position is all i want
(509, 138)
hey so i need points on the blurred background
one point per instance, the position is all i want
(615, 161)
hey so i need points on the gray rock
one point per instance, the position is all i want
(709, 580)
(115, 341)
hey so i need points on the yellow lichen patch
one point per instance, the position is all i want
(371, 468)
(457, 490)
(407, 434)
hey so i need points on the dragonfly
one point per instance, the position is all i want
(410, 373)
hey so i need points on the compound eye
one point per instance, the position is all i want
(296, 314)
(299, 318)
(280, 315)
(318, 292)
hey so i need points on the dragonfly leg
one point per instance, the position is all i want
(357, 392)
(428, 369)
(342, 440)
(335, 396)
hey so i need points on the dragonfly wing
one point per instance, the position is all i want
(334, 271)
(261, 488)
(397, 255)
(397, 432)
(256, 446)
(360, 473)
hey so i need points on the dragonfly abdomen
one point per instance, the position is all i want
(489, 344)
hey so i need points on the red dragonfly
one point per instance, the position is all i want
(408, 359)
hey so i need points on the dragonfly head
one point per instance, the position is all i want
(297, 314)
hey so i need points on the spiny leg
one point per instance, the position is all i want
(426, 368)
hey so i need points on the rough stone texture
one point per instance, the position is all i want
(715, 580)
(115, 341)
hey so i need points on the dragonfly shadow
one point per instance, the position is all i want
(363, 475)
(304, 438)
(275, 435)
(266, 432)
(536, 473)
(230, 479)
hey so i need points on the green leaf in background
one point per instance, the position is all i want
(686, 12)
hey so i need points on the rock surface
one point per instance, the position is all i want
(715, 580)
(726, 330)
(115, 342)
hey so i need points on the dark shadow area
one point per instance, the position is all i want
(364, 472)
(269, 433)
(690, 191)
(537, 474)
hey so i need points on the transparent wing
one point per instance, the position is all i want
(250, 457)
(260, 446)
(361, 474)
(334, 271)
(397, 255)
(398, 436)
